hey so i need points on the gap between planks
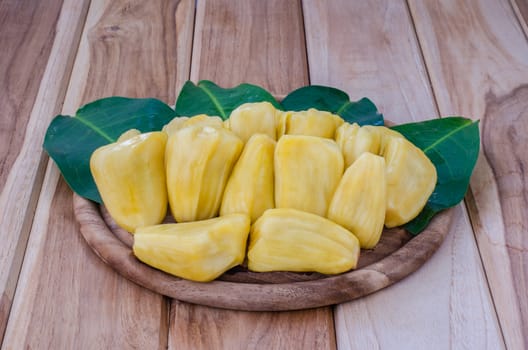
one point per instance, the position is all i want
(465, 204)
(278, 36)
(33, 320)
(494, 90)
(390, 68)
(20, 194)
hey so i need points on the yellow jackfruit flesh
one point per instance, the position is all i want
(311, 122)
(128, 135)
(174, 125)
(130, 176)
(411, 178)
(250, 188)
(293, 240)
(204, 120)
(383, 135)
(198, 120)
(199, 160)
(253, 118)
(198, 251)
(359, 200)
(307, 172)
(355, 140)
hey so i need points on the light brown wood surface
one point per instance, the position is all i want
(35, 63)
(201, 327)
(415, 59)
(479, 68)
(389, 68)
(66, 297)
(261, 42)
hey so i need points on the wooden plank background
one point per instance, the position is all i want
(415, 59)
(37, 40)
(477, 57)
(389, 69)
(67, 298)
(263, 44)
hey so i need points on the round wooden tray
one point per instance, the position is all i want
(396, 256)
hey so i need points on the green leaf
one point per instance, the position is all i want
(452, 144)
(208, 98)
(70, 141)
(325, 98)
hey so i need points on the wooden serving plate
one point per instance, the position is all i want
(396, 256)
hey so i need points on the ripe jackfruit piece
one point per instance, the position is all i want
(198, 120)
(293, 240)
(253, 118)
(130, 176)
(198, 251)
(307, 172)
(199, 160)
(204, 120)
(174, 125)
(411, 178)
(355, 140)
(383, 135)
(311, 122)
(250, 188)
(359, 200)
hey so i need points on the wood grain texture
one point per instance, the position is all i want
(199, 327)
(367, 49)
(26, 37)
(116, 36)
(521, 10)
(258, 42)
(42, 37)
(479, 68)
(66, 297)
(444, 300)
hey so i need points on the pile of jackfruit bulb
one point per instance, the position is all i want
(291, 191)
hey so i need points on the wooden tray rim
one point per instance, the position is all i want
(257, 296)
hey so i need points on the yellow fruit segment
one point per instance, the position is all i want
(307, 172)
(311, 122)
(250, 188)
(318, 194)
(204, 120)
(130, 176)
(128, 135)
(411, 178)
(174, 125)
(198, 251)
(383, 134)
(199, 160)
(293, 240)
(359, 201)
(253, 118)
(198, 120)
(354, 140)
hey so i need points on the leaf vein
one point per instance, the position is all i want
(214, 100)
(94, 128)
(343, 107)
(445, 137)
